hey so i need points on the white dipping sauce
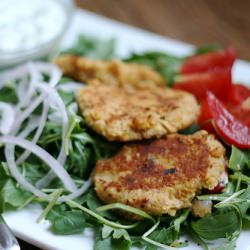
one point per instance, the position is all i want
(26, 24)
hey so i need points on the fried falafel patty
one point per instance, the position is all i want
(126, 114)
(161, 176)
(108, 72)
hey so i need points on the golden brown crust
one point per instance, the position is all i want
(113, 72)
(126, 114)
(161, 176)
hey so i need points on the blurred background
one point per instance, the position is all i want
(194, 21)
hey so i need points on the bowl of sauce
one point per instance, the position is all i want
(30, 29)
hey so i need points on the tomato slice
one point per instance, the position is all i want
(238, 93)
(205, 62)
(241, 111)
(218, 81)
(205, 117)
(226, 125)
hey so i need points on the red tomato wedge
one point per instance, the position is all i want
(226, 125)
(238, 93)
(205, 62)
(217, 81)
(241, 111)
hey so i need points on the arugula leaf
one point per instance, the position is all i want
(12, 196)
(111, 243)
(68, 222)
(238, 159)
(208, 48)
(115, 233)
(32, 172)
(245, 205)
(93, 47)
(93, 203)
(4, 176)
(164, 64)
(8, 93)
(56, 212)
(213, 226)
(167, 235)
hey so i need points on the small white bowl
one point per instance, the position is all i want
(30, 29)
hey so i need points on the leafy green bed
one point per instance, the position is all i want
(231, 208)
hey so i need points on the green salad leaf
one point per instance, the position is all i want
(164, 64)
(12, 196)
(223, 223)
(238, 159)
(112, 243)
(93, 47)
(68, 222)
(208, 48)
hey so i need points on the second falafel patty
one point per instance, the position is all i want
(161, 176)
(127, 114)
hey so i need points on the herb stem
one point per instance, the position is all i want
(55, 196)
(152, 229)
(127, 209)
(238, 184)
(230, 198)
(99, 217)
(244, 178)
(27, 202)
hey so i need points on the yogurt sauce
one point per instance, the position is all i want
(26, 24)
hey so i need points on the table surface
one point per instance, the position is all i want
(199, 22)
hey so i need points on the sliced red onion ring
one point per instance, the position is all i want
(45, 156)
(9, 155)
(27, 112)
(52, 70)
(13, 74)
(35, 76)
(46, 180)
(33, 123)
(7, 117)
(78, 192)
(38, 133)
(65, 119)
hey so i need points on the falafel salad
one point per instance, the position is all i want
(149, 151)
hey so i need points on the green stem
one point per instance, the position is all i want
(99, 217)
(211, 197)
(55, 196)
(238, 184)
(27, 202)
(155, 243)
(127, 209)
(230, 198)
(244, 178)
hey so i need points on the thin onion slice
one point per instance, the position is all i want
(51, 70)
(46, 180)
(38, 132)
(14, 74)
(35, 76)
(33, 123)
(27, 112)
(78, 192)
(7, 117)
(45, 156)
(9, 155)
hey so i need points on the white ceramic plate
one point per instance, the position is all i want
(129, 39)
